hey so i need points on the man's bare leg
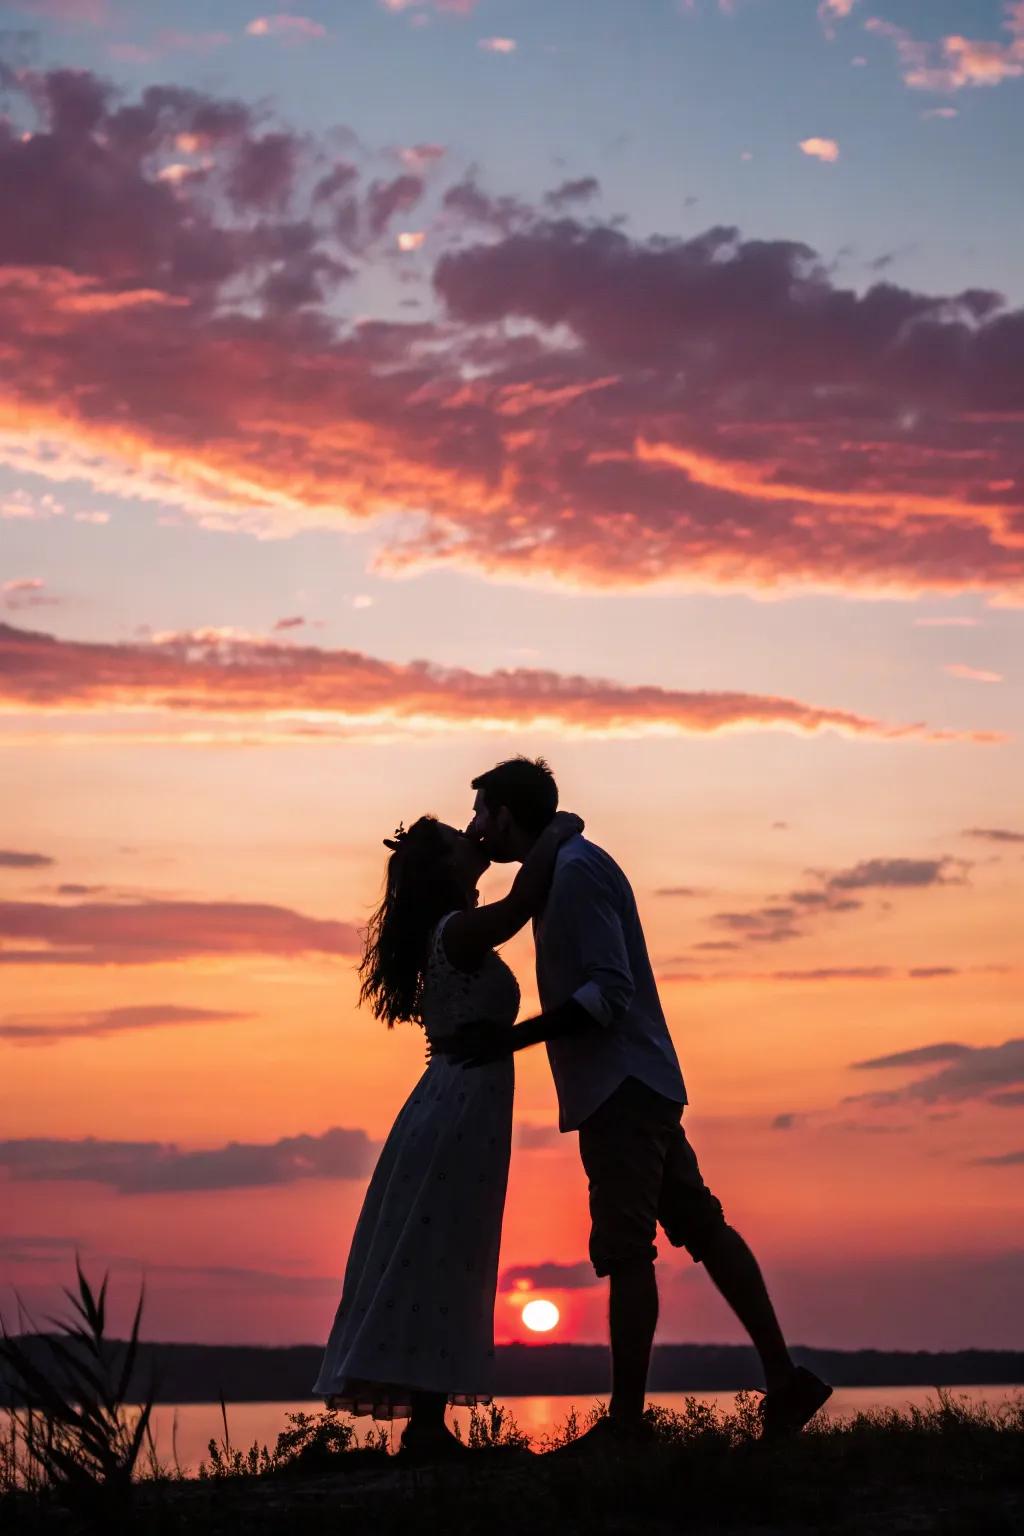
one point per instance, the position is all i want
(632, 1318)
(735, 1272)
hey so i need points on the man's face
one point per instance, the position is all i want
(491, 831)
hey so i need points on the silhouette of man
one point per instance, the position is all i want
(619, 1085)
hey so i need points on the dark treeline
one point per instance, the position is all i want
(202, 1373)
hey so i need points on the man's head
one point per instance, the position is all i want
(514, 803)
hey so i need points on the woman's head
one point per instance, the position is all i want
(433, 870)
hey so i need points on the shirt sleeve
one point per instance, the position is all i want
(581, 920)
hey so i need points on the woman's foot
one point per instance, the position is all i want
(434, 1443)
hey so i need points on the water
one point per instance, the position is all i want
(190, 1426)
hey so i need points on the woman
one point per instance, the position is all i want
(415, 1327)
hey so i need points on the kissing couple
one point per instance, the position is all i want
(414, 1331)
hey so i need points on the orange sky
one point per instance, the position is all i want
(338, 461)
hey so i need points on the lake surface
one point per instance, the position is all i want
(190, 1426)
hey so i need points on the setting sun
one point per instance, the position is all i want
(541, 1316)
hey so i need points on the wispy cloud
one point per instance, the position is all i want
(11, 858)
(792, 914)
(994, 834)
(955, 62)
(304, 689)
(551, 1276)
(950, 622)
(898, 874)
(164, 44)
(156, 932)
(85, 13)
(582, 189)
(42, 1029)
(965, 1072)
(539, 1138)
(150, 1167)
(286, 27)
(445, 7)
(832, 11)
(973, 674)
(27, 592)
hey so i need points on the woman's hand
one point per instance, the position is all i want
(565, 824)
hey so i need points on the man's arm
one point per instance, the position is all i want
(582, 919)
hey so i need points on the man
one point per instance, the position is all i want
(619, 1085)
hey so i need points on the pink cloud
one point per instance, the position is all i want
(498, 44)
(950, 622)
(445, 7)
(166, 43)
(158, 932)
(973, 674)
(956, 62)
(589, 408)
(832, 11)
(287, 27)
(27, 592)
(215, 674)
(150, 1167)
(420, 158)
(821, 149)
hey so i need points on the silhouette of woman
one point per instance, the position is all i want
(414, 1330)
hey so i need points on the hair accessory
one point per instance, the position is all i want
(399, 838)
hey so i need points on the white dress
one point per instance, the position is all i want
(417, 1305)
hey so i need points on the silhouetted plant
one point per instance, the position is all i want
(493, 1428)
(74, 1433)
(312, 1442)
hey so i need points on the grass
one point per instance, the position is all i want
(75, 1464)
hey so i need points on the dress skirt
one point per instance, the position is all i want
(417, 1306)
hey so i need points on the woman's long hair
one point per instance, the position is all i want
(421, 888)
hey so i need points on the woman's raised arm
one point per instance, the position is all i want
(469, 935)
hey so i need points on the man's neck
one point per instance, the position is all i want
(522, 843)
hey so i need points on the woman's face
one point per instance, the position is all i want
(468, 859)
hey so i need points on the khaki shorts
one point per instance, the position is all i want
(642, 1172)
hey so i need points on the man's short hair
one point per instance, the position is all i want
(526, 787)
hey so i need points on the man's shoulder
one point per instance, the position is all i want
(580, 858)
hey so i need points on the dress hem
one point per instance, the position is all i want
(395, 1404)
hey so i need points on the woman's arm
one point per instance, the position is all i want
(469, 935)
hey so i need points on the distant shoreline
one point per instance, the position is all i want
(203, 1373)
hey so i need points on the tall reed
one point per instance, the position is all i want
(74, 1431)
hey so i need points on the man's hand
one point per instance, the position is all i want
(476, 1044)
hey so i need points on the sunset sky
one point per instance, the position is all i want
(390, 386)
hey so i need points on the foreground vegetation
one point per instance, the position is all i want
(81, 1459)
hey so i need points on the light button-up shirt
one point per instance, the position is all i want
(591, 947)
